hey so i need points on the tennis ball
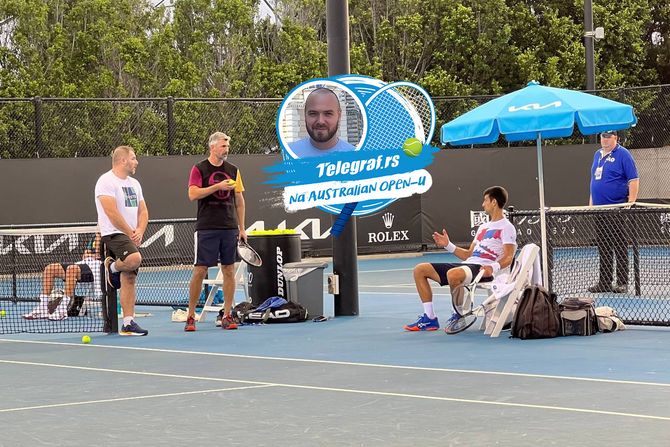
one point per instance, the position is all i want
(230, 182)
(85, 339)
(412, 147)
(3, 313)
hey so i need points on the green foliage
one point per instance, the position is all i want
(224, 48)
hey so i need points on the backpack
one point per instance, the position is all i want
(537, 314)
(578, 317)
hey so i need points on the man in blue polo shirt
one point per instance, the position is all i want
(614, 179)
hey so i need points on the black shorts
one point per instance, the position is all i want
(85, 273)
(443, 268)
(119, 245)
(216, 246)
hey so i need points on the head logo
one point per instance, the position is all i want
(388, 220)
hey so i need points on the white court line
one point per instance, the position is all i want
(321, 388)
(120, 399)
(335, 362)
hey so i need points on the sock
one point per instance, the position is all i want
(113, 268)
(428, 310)
(127, 320)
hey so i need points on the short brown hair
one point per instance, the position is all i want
(497, 193)
(120, 152)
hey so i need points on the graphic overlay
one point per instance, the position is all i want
(397, 112)
(388, 132)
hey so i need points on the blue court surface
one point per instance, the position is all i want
(348, 381)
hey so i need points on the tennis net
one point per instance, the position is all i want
(50, 280)
(619, 256)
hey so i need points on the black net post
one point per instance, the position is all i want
(110, 312)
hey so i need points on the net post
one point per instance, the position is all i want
(15, 296)
(110, 313)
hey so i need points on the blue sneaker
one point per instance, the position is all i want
(423, 324)
(454, 317)
(113, 279)
(133, 329)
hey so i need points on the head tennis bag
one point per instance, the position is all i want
(578, 317)
(537, 314)
(288, 312)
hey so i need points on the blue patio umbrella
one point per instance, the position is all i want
(533, 113)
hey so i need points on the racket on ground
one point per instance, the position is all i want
(248, 254)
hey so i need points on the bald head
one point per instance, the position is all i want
(322, 117)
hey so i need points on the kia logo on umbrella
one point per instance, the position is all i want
(534, 106)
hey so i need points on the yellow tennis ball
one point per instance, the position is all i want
(412, 147)
(85, 339)
(230, 182)
(3, 313)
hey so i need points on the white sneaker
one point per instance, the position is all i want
(37, 313)
(60, 313)
(58, 316)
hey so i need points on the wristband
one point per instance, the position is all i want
(496, 267)
(450, 247)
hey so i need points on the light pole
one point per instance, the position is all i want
(590, 36)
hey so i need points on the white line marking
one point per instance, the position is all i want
(120, 399)
(256, 384)
(340, 363)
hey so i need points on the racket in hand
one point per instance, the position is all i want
(248, 254)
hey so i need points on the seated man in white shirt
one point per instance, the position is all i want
(85, 271)
(491, 250)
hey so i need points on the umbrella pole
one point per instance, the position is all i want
(543, 219)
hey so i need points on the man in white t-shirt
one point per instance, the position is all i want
(491, 250)
(122, 219)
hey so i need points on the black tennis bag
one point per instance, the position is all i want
(578, 317)
(537, 315)
(286, 313)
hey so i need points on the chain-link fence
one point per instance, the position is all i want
(65, 128)
(616, 256)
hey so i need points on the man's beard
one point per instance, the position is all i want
(314, 136)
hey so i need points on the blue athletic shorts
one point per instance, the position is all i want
(214, 246)
(442, 270)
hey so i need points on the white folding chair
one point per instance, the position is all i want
(217, 283)
(505, 289)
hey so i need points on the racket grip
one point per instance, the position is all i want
(342, 218)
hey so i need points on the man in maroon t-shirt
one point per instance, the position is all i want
(217, 186)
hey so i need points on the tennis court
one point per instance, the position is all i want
(347, 381)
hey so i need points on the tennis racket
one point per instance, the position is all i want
(466, 312)
(396, 112)
(248, 254)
